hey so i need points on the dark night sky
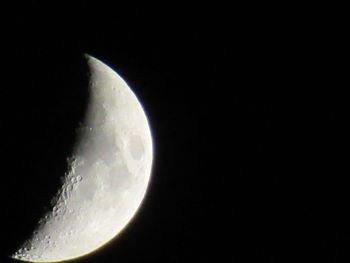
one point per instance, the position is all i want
(245, 118)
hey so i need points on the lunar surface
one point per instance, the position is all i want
(108, 174)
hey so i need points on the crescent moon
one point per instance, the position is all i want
(108, 174)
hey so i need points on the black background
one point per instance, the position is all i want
(245, 114)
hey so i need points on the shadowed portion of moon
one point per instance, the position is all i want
(50, 99)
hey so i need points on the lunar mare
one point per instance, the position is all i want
(108, 174)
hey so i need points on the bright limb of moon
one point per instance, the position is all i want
(108, 175)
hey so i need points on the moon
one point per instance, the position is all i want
(108, 175)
